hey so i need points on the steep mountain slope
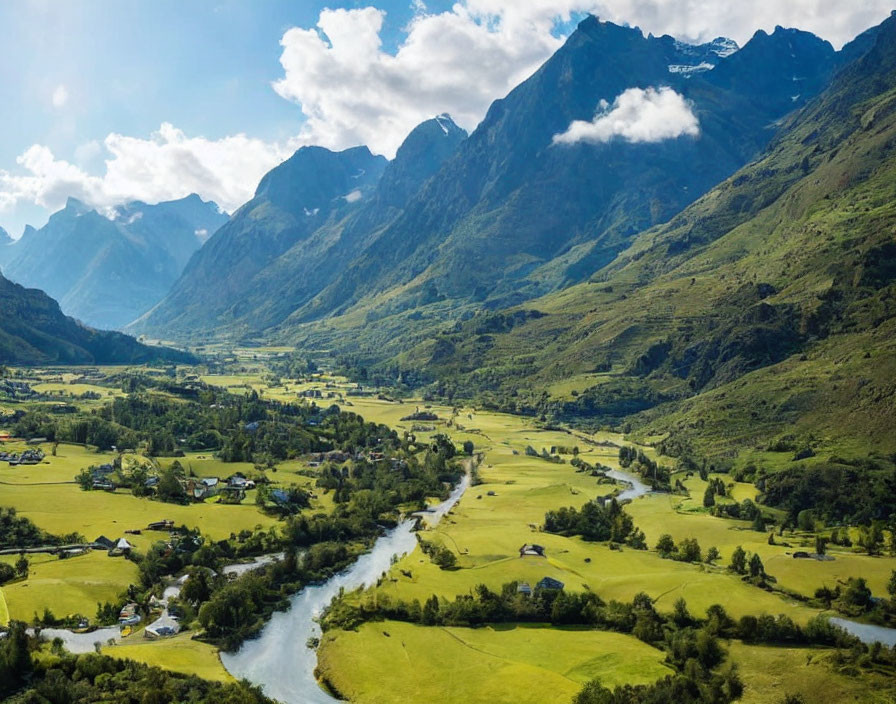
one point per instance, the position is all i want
(292, 263)
(107, 271)
(33, 330)
(514, 215)
(766, 307)
(312, 190)
(508, 215)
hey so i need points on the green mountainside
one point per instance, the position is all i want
(504, 215)
(767, 307)
(33, 330)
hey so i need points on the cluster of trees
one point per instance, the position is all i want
(595, 521)
(715, 487)
(440, 555)
(19, 532)
(27, 679)
(239, 427)
(854, 599)
(837, 492)
(688, 550)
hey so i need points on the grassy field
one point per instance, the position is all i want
(70, 586)
(664, 513)
(770, 673)
(179, 654)
(517, 663)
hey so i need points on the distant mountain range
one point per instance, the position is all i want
(33, 330)
(106, 271)
(499, 217)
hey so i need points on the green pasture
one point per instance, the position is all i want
(69, 586)
(517, 663)
(178, 654)
(770, 673)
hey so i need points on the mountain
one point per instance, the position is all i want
(310, 217)
(104, 270)
(763, 315)
(5, 239)
(508, 215)
(33, 330)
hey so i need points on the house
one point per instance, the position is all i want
(151, 482)
(549, 583)
(524, 589)
(103, 543)
(128, 611)
(166, 625)
(122, 547)
(532, 551)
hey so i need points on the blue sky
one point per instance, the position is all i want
(112, 100)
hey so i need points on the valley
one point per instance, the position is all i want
(585, 395)
(522, 471)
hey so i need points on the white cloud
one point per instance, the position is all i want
(458, 61)
(60, 96)
(636, 115)
(165, 166)
(354, 92)
(353, 196)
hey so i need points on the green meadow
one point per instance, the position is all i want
(515, 664)
(178, 654)
(67, 587)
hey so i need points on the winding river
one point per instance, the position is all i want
(279, 658)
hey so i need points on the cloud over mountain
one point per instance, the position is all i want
(637, 115)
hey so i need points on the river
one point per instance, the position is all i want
(279, 658)
(867, 633)
(636, 488)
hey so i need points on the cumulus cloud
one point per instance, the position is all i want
(637, 115)
(60, 96)
(353, 92)
(167, 165)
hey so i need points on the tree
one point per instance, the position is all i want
(712, 554)
(739, 560)
(689, 550)
(468, 447)
(891, 586)
(22, 566)
(7, 572)
(196, 589)
(709, 496)
(820, 544)
(805, 520)
(444, 558)
(665, 546)
(756, 567)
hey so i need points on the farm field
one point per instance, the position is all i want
(516, 663)
(178, 654)
(485, 531)
(67, 587)
(770, 673)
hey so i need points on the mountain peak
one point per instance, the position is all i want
(4, 237)
(78, 206)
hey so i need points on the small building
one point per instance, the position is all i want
(524, 589)
(532, 551)
(122, 547)
(550, 583)
(103, 543)
(163, 627)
